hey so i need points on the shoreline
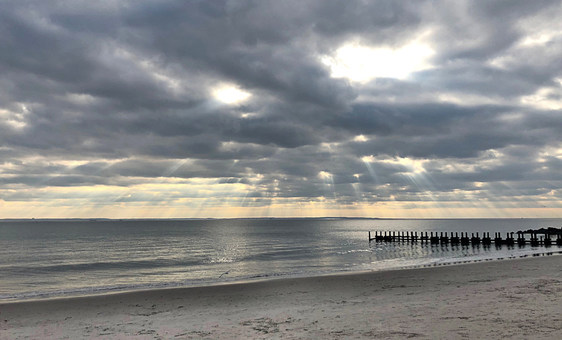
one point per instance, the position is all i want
(488, 299)
(112, 292)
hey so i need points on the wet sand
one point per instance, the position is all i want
(520, 298)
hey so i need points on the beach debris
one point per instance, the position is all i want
(224, 273)
(263, 325)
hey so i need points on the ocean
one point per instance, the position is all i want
(42, 259)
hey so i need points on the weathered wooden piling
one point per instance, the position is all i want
(475, 239)
(486, 239)
(455, 239)
(444, 239)
(509, 240)
(434, 239)
(547, 241)
(498, 239)
(520, 239)
(534, 240)
(464, 239)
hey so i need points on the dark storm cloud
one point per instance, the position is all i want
(124, 88)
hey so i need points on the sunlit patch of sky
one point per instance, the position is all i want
(230, 94)
(360, 63)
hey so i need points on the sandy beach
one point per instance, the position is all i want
(519, 299)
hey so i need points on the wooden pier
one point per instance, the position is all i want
(465, 239)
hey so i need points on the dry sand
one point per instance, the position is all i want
(519, 298)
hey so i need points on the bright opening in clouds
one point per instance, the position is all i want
(230, 94)
(362, 63)
(280, 108)
(360, 138)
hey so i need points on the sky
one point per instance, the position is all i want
(208, 109)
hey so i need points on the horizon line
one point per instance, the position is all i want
(263, 218)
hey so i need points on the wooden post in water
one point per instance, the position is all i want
(509, 240)
(486, 240)
(497, 239)
(464, 239)
(434, 239)
(455, 239)
(534, 240)
(547, 240)
(475, 240)
(520, 239)
(444, 239)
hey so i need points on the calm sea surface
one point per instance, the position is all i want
(42, 259)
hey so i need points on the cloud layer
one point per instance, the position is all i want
(113, 104)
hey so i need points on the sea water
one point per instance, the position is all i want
(54, 258)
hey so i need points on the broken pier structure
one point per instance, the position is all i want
(463, 238)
